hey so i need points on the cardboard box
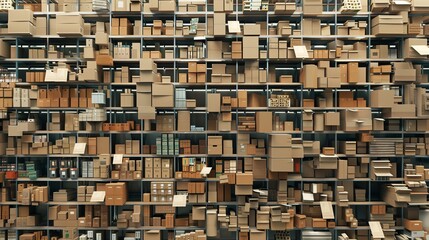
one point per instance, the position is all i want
(184, 121)
(413, 225)
(252, 29)
(213, 102)
(356, 120)
(264, 122)
(280, 164)
(20, 15)
(332, 119)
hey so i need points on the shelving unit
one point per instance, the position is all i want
(73, 46)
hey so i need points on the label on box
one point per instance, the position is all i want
(117, 158)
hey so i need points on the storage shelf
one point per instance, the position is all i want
(200, 116)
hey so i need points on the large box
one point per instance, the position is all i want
(264, 122)
(20, 15)
(284, 152)
(244, 179)
(162, 95)
(152, 235)
(312, 7)
(252, 29)
(214, 145)
(280, 164)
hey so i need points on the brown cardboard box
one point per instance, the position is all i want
(382, 98)
(243, 190)
(244, 179)
(354, 120)
(250, 47)
(332, 119)
(241, 100)
(309, 76)
(219, 20)
(252, 29)
(264, 122)
(162, 95)
(413, 225)
(184, 121)
(319, 223)
(353, 72)
(20, 15)
(152, 235)
(214, 145)
(280, 164)
(400, 110)
(300, 221)
(213, 102)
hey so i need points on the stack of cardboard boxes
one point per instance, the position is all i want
(129, 169)
(116, 194)
(158, 168)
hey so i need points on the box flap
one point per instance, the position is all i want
(300, 52)
(421, 49)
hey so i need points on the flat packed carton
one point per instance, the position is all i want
(70, 25)
(356, 120)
